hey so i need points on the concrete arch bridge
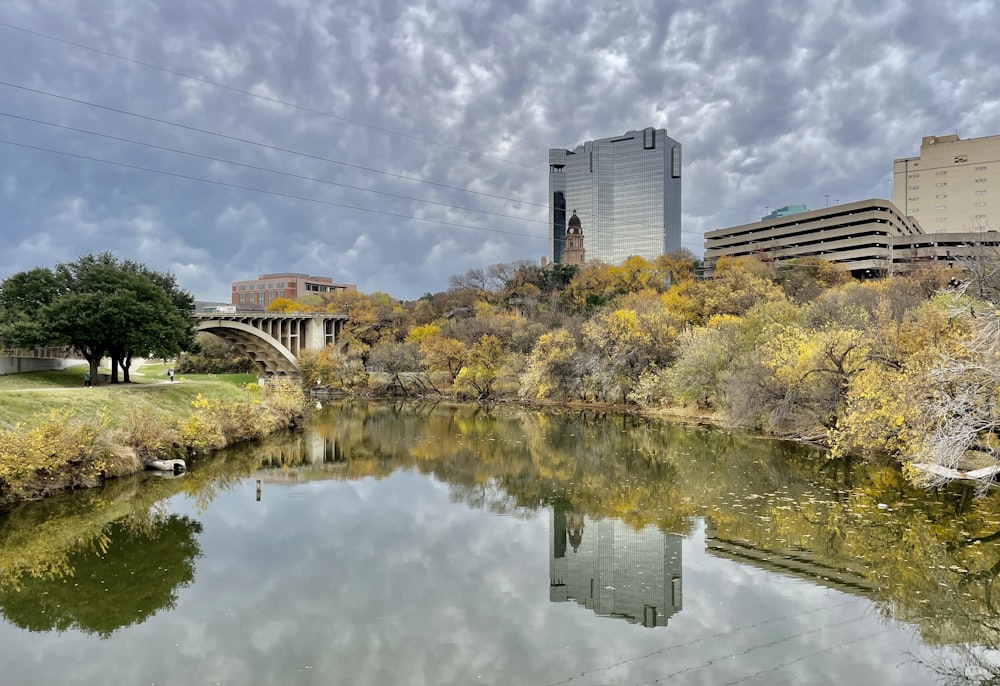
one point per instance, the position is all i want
(274, 340)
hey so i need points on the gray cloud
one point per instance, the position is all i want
(777, 105)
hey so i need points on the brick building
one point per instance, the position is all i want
(262, 291)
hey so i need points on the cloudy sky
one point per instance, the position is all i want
(395, 143)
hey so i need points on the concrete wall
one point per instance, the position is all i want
(15, 365)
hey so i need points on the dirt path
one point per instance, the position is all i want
(86, 388)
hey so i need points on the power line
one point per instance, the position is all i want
(302, 108)
(621, 227)
(251, 166)
(264, 191)
(720, 634)
(819, 651)
(265, 98)
(751, 649)
(260, 144)
(265, 169)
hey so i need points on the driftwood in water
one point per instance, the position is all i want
(957, 474)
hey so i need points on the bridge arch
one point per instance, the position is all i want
(273, 340)
(266, 351)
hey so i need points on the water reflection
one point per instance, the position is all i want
(129, 574)
(302, 449)
(614, 570)
(618, 498)
(796, 562)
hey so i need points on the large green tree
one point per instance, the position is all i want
(98, 305)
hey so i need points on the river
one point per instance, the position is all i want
(421, 544)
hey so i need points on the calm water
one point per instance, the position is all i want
(422, 545)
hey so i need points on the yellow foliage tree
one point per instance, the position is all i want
(419, 333)
(551, 369)
(675, 267)
(443, 354)
(482, 367)
(738, 285)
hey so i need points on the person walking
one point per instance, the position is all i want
(86, 379)
(170, 373)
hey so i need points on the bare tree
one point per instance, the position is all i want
(962, 406)
(981, 268)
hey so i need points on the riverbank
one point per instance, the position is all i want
(56, 434)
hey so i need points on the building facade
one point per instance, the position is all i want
(627, 192)
(868, 238)
(953, 185)
(262, 291)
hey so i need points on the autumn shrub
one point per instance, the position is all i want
(551, 370)
(220, 423)
(216, 424)
(199, 431)
(239, 423)
(351, 375)
(56, 453)
(652, 388)
(882, 416)
(316, 365)
(286, 401)
(148, 433)
(333, 369)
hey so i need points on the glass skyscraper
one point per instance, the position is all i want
(626, 191)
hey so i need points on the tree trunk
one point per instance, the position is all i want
(93, 357)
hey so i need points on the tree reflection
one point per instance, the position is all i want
(95, 560)
(132, 572)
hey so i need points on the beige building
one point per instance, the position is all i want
(952, 186)
(869, 238)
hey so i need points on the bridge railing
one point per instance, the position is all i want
(46, 353)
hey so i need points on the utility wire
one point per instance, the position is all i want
(820, 651)
(264, 191)
(265, 169)
(300, 153)
(302, 108)
(711, 637)
(751, 649)
(254, 167)
(266, 98)
(620, 227)
(261, 144)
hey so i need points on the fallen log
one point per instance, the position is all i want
(958, 474)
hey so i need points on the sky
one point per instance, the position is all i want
(394, 144)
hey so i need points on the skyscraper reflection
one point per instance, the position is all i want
(608, 567)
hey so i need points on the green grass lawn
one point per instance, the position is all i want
(26, 396)
(66, 378)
